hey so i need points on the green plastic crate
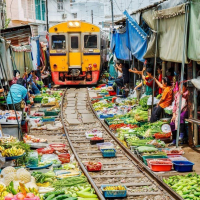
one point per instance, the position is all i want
(51, 113)
(151, 157)
(108, 98)
(37, 99)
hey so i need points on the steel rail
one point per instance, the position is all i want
(139, 163)
(99, 194)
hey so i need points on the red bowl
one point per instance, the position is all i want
(45, 151)
(64, 157)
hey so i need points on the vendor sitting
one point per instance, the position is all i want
(165, 101)
(183, 115)
(34, 88)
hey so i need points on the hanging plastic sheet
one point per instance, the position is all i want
(121, 50)
(136, 38)
(22, 54)
(171, 33)
(170, 4)
(35, 49)
(113, 41)
(5, 61)
(148, 17)
(194, 31)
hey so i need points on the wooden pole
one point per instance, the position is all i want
(163, 68)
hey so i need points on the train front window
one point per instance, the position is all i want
(74, 42)
(90, 41)
(58, 42)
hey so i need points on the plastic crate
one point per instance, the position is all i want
(45, 151)
(37, 99)
(48, 119)
(144, 158)
(183, 166)
(159, 167)
(91, 134)
(103, 116)
(105, 145)
(96, 98)
(92, 168)
(113, 193)
(108, 98)
(51, 113)
(177, 158)
(112, 93)
(93, 142)
(108, 154)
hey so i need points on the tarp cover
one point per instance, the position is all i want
(171, 34)
(121, 50)
(194, 31)
(136, 38)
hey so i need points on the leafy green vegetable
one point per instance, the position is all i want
(143, 102)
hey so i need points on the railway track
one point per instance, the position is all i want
(78, 116)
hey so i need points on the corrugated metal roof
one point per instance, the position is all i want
(17, 35)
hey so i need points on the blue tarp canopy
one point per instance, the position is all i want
(136, 38)
(119, 47)
(133, 40)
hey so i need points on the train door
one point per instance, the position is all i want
(74, 50)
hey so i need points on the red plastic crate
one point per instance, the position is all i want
(96, 168)
(112, 93)
(160, 167)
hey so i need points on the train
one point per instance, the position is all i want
(78, 52)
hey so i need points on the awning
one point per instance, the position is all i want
(194, 31)
(136, 38)
(171, 33)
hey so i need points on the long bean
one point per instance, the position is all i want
(68, 182)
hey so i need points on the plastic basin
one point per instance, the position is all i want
(183, 166)
(57, 147)
(160, 167)
(45, 151)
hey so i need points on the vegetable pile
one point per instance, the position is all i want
(187, 186)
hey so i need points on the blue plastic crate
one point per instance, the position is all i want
(183, 166)
(114, 193)
(51, 119)
(108, 154)
(104, 116)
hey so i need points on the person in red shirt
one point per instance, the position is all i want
(159, 70)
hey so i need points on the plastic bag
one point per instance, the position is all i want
(196, 82)
(155, 101)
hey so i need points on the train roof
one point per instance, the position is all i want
(74, 26)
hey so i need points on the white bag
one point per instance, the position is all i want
(155, 101)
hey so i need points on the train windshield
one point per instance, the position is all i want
(58, 42)
(90, 41)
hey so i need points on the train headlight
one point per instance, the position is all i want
(77, 24)
(54, 66)
(95, 65)
(71, 24)
(74, 24)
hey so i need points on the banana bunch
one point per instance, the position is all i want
(3, 192)
(1, 148)
(12, 152)
(28, 190)
(119, 187)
